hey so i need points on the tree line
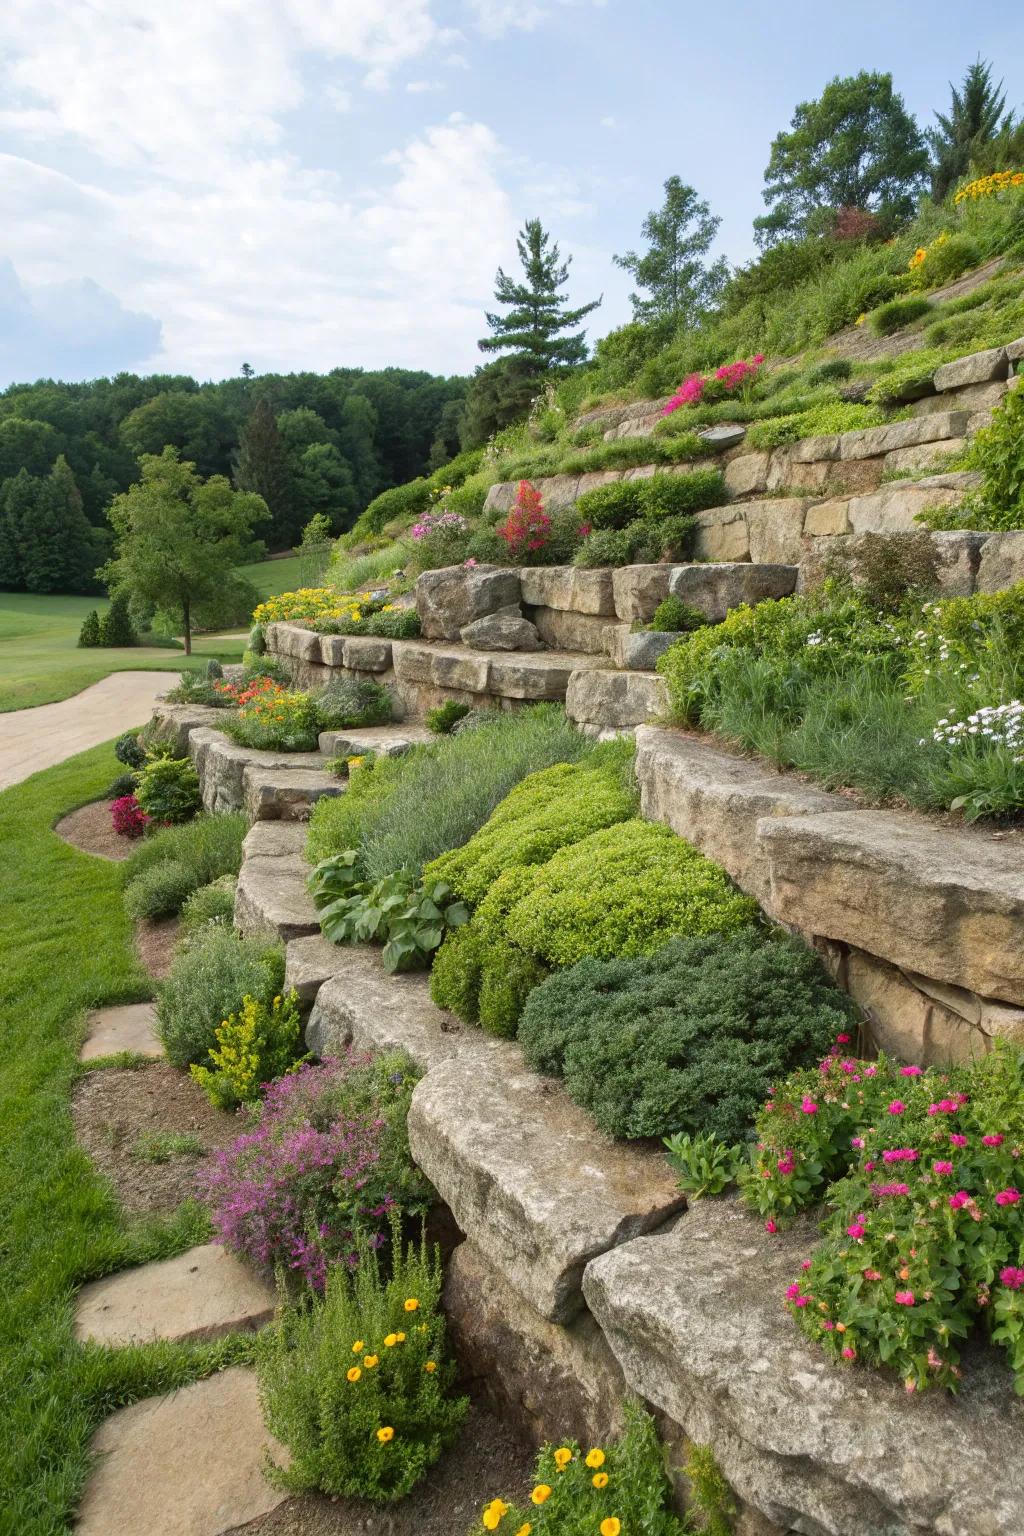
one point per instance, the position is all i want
(306, 443)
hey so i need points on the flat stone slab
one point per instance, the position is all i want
(221, 766)
(384, 740)
(945, 902)
(200, 1294)
(715, 588)
(715, 800)
(696, 1320)
(189, 1463)
(524, 675)
(272, 898)
(273, 794)
(174, 723)
(308, 963)
(127, 1027)
(615, 700)
(274, 840)
(529, 1178)
(977, 368)
(360, 1005)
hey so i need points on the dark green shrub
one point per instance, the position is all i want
(205, 849)
(888, 568)
(605, 546)
(402, 502)
(399, 624)
(897, 314)
(672, 495)
(213, 903)
(159, 891)
(168, 789)
(486, 548)
(466, 500)
(691, 1038)
(834, 371)
(209, 981)
(443, 720)
(457, 470)
(124, 784)
(998, 451)
(348, 704)
(89, 634)
(116, 627)
(128, 750)
(673, 616)
(610, 506)
(214, 670)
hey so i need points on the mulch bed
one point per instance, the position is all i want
(486, 1463)
(155, 941)
(90, 830)
(114, 1107)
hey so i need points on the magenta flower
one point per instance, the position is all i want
(808, 1106)
(849, 1353)
(900, 1155)
(793, 1291)
(889, 1191)
(942, 1167)
(904, 1298)
(1007, 1197)
(992, 1141)
(957, 1141)
(842, 1039)
(857, 1142)
(910, 1071)
(770, 1226)
(944, 1107)
(897, 1107)
(857, 1230)
(959, 1200)
(1012, 1277)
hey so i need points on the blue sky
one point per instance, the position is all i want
(312, 183)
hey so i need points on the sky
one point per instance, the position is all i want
(305, 184)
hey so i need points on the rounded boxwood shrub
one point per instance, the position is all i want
(159, 891)
(209, 980)
(891, 317)
(673, 616)
(691, 1038)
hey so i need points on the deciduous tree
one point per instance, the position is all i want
(678, 283)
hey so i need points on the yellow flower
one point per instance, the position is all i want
(611, 1526)
(370, 1361)
(541, 1493)
(563, 1456)
(385, 1434)
(861, 318)
(391, 1341)
(400, 1337)
(354, 1373)
(524, 1530)
(595, 1458)
(430, 1367)
(495, 1512)
(600, 1479)
(411, 1304)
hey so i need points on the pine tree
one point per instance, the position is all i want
(680, 285)
(56, 547)
(977, 115)
(262, 467)
(535, 329)
(89, 634)
(116, 628)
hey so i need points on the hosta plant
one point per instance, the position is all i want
(408, 916)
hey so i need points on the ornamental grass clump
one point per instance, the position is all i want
(923, 1236)
(323, 1162)
(170, 864)
(360, 1386)
(689, 1039)
(612, 1490)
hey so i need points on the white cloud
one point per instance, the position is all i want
(496, 17)
(422, 87)
(54, 329)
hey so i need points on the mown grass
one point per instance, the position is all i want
(66, 946)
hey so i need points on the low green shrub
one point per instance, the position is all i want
(197, 853)
(212, 903)
(360, 1389)
(349, 704)
(945, 259)
(400, 504)
(673, 616)
(259, 1043)
(167, 789)
(998, 452)
(443, 720)
(622, 503)
(839, 416)
(688, 1039)
(645, 542)
(611, 506)
(547, 811)
(622, 1487)
(408, 916)
(897, 314)
(923, 1236)
(208, 981)
(835, 370)
(129, 750)
(910, 378)
(605, 547)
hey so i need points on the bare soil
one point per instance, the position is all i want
(90, 830)
(114, 1108)
(488, 1462)
(155, 941)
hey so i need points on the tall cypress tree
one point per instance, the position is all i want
(976, 115)
(262, 467)
(55, 542)
(536, 328)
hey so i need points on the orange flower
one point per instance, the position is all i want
(541, 1493)
(354, 1374)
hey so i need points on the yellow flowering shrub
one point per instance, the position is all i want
(310, 603)
(946, 258)
(255, 1045)
(990, 186)
(372, 1431)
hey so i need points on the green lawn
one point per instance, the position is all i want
(39, 657)
(67, 948)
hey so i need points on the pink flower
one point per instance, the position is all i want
(806, 1264)
(944, 1107)
(942, 1167)
(808, 1106)
(959, 1200)
(872, 1274)
(786, 1164)
(857, 1142)
(869, 1167)
(887, 1191)
(800, 1301)
(991, 1141)
(470, 563)
(900, 1155)
(857, 1230)
(897, 1107)
(770, 1226)
(870, 1071)
(849, 1353)
(904, 1298)
(1012, 1277)
(957, 1141)
(910, 1071)
(842, 1039)
(1007, 1197)
(793, 1291)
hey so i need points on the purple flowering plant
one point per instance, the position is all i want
(324, 1159)
(921, 1173)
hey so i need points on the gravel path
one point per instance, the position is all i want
(31, 739)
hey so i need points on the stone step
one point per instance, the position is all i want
(384, 740)
(695, 1317)
(221, 765)
(189, 1463)
(525, 1173)
(528, 1177)
(456, 669)
(174, 723)
(126, 1027)
(308, 963)
(944, 901)
(200, 1294)
(606, 700)
(272, 897)
(278, 794)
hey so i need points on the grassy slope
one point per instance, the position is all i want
(39, 657)
(67, 948)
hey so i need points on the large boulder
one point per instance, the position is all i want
(504, 630)
(943, 901)
(615, 701)
(978, 368)
(569, 587)
(1002, 561)
(716, 588)
(449, 599)
(695, 1317)
(722, 534)
(638, 591)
